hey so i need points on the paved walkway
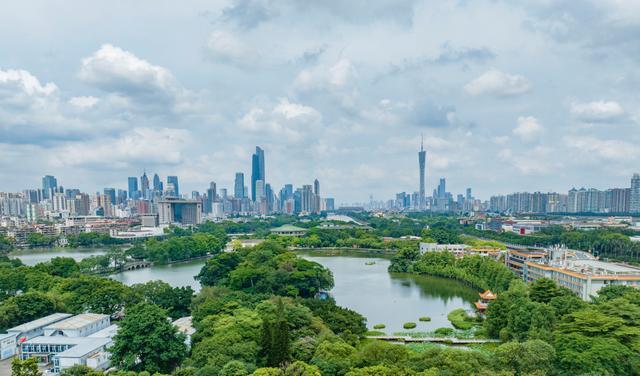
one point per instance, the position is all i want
(452, 340)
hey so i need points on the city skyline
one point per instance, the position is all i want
(537, 101)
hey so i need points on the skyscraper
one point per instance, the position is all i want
(111, 195)
(157, 183)
(469, 196)
(257, 170)
(144, 183)
(238, 187)
(442, 188)
(176, 188)
(48, 183)
(634, 199)
(133, 187)
(422, 158)
(211, 197)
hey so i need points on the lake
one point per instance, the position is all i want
(382, 297)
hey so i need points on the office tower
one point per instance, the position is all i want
(49, 184)
(238, 186)
(133, 187)
(469, 197)
(157, 183)
(176, 210)
(257, 170)
(259, 190)
(211, 197)
(329, 204)
(422, 158)
(316, 196)
(144, 184)
(176, 187)
(634, 195)
(442, 188)
(121, 196)
(111, 194)
(307, 198)
(316, 187)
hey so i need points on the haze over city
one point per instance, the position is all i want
(509, 96)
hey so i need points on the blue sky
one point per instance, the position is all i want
(510, 95)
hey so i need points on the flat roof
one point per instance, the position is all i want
(78, 321)
(85, 347)
(107, 332)
(55, 340)
(41, 322)
(607, 266)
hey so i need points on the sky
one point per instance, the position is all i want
(509, 95)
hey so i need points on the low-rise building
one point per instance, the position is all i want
(289, 230)
(65, 352)
(9, 342)
(80, 325)
(435, 247)
(516, 259)
(584, 277)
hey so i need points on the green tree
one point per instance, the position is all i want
(27, 367)
(24, 308)
(334, 357)
(543, 290)
(80, 370)
(275, 338)
(524, 358)
(147, 341)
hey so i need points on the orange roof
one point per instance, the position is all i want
(488, 295)
(480, 306)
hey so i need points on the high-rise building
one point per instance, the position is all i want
(111, 194)
(634, 195)
(49, 183)
(176, 187)
(157, 183)
(257, 170)
(133, 187)
(211, 197)
(469, 196)
(238, 186)
(176, 210)
(442, 188)
(422, 160)
(144, 184)
(259, 190)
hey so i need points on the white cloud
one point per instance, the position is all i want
(84, 102)
(115, 70)
(603, 149)
(338, 75)
(291, 121)
(497, 83)
(599, 111)
(134, 148)
(223, 46)
(21, 88)
(528, 128)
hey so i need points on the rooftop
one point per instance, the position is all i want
(85, 347)
(108, 332)
(185, 325)
(78, 321)
(288, 228)
(41, 322)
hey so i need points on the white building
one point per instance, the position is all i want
(435, 247)
(78, 326)
(26, 331)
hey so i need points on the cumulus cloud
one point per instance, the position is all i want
(84, 102)
(528, 128)
(603, 149)
(20, 88)
(599, 111)
(134, 148)
(497, 83)
(223, 46)
(337, 75)
(115, 70)
(288, 121)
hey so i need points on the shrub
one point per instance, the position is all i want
(379, 326)
(425, 318)
(459, 319)
(444, 332)
(409, 325)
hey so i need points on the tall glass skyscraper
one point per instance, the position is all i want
(257, 170)
(422, 159)
(48, 183)
(157, 183)
(238, 187)
(133, 187)
(174, 181)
